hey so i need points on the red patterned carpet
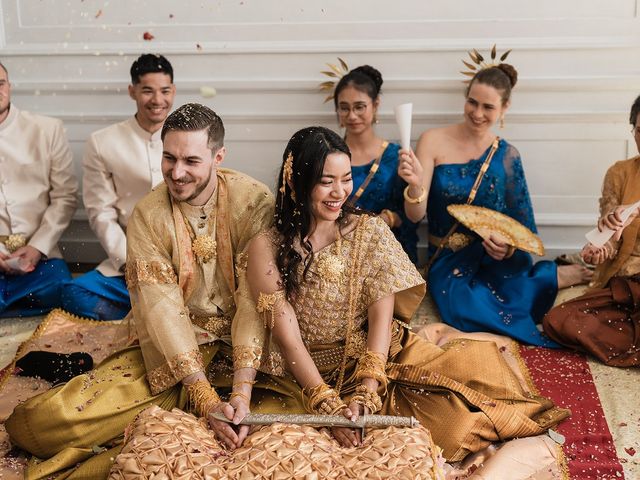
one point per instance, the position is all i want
(566, 378)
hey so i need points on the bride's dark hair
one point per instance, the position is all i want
(309, 149)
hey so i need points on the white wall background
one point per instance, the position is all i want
(579, 65)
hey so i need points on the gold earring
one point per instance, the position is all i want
(502, 122)
(375, 118)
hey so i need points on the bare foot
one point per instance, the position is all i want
(569, 275)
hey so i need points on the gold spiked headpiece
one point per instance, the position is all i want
(479, 62)
(336, 72)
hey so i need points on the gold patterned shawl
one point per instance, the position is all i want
(163, 278)
(321, 304)
(621, 186)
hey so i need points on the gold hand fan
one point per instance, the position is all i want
(485, 222)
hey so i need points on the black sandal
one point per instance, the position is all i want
(54, 367)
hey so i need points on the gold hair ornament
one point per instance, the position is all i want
(479, 62)
(287, 175)
(337, 72)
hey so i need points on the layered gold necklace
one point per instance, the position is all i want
(203, 246)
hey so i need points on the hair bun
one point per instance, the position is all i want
(372, 73)
(510, 72)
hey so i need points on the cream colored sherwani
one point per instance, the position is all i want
(121, 165)
(37, 183)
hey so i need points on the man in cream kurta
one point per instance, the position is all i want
(191, 308)
(37, 200)
(121, 165)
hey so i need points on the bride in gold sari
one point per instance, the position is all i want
(336, 292)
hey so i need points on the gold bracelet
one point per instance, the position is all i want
(421, 198)
(322, 399)
(243, 382)
(202, 397)
(367, 398)
(373, 365)
(241, 395)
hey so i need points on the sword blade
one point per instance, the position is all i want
(322, 420)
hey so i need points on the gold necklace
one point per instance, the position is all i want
(331, 266)
(203, 246)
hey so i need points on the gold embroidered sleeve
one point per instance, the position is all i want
(388, 270)
(245, 356)
(178, 367)
(142, 272)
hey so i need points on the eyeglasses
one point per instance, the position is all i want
(358, 109)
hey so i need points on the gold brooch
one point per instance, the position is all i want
(204, 248)
(14, 242)
(330, 267)
(457, 241)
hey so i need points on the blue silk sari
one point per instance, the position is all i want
(386, 191)
(472, 291)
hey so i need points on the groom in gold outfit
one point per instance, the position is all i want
(185, 259)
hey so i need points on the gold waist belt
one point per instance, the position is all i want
(332, 357)
(219, 325)
(457, 241)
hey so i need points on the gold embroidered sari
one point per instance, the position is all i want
(464, 392)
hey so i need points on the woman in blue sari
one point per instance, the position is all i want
(486, 285)
(387, 181)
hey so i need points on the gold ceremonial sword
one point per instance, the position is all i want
(364, 421)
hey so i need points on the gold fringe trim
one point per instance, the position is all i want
(515, 351)
(562, 463)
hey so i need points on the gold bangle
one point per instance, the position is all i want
(202, 397)
(241, 395)
(421, 198)
(322, 399)
(367, 398)
(373, 365)
(243, 382)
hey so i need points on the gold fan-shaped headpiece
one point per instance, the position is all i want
(479, 62)
(336, 72)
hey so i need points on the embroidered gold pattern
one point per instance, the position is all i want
(245, 356)
(218, 325)
(174, 370)
(320, 306)
(204, 248)
(141, 272)
(160, 379)
(268, 302)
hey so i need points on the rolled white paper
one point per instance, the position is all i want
(16, 263)
(403, 119)
(599, 238)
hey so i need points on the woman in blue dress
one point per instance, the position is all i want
(396, 189)
(486, 285)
